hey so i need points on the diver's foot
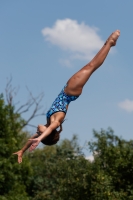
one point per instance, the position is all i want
(113, 38)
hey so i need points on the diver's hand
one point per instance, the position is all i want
(35, 143)
(20, 154)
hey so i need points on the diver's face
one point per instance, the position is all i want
(41, 128)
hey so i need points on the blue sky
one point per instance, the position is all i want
(43, 43)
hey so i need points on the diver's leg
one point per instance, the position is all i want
(77, 81)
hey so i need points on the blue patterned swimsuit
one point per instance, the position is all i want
(61, 102)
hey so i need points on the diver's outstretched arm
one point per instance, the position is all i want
(25, 147)
(35, 142)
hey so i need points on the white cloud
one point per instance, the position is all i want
(126, 105)
(90, 158)
(81, 40)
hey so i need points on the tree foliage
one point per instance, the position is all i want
(11, 180)
(113, 159)
(61, 171)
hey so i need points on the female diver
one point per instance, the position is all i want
(47, 134)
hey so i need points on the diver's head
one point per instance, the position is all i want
(52, 139)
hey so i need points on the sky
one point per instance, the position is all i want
(43, 43)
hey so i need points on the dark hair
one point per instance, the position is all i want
(52, 139)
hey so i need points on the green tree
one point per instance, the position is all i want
(60, 172)
(112, 167)
(14, 178)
